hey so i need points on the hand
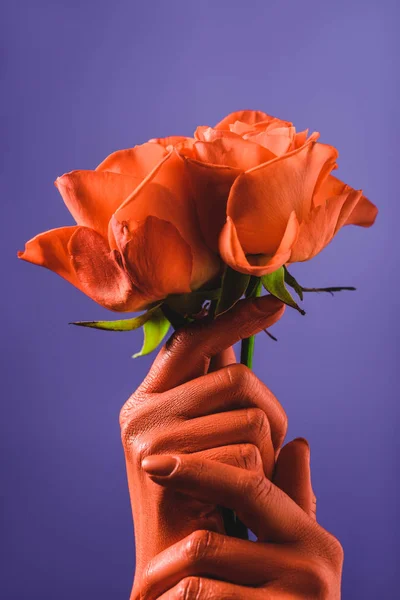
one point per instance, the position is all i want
(293, 558)
(183, 408)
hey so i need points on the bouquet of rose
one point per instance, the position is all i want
(183, 227)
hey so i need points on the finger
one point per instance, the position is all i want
(243, 426)
(222, 359)
(244, 456)
(200, 588)
(188, 352)
(259, 504)
(293, 474)
(209, 554)
(229, 388)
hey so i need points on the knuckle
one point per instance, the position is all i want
(189, 588)
(241, 377)
(138, 447)
(132, 417)
(316, 579)
(126, 410)
(333, 550)
(258, 422)
(257, 487)
(180, 340)
(321, 573)
(249, 457)
(198, 545)
(128, 434)
(283, 426)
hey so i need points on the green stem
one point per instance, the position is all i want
(247, 346)
(247, 351)
(233, 526)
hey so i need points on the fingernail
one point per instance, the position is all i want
(301, 439)
(268, 303)
(305, 443)
(161, 466)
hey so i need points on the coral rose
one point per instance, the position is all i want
(265, 195)
(155, 219)
(137, 238)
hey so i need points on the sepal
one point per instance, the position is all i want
(274, 283)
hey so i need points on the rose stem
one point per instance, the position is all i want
(233, 525)
(247, 346)
(247, 351)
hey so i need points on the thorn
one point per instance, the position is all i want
(270, 335)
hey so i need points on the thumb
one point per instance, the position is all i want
(293, 475)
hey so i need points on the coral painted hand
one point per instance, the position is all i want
(183, 408)
(293, 558)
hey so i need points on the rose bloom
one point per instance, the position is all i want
(264, 193)
(156, 219)
(137, 238)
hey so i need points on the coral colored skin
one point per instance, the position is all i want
(293, 558)
(227, 429)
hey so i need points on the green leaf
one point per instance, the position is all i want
(254, 288)
(234, 285)
(275, 285)
(154, 329)
(121, 324)
(290, 280)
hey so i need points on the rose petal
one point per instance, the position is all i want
(184, 145)
(272, 123)
(262, 199)
(50, 250)
(101, 275)
(203, 132)
(323, 222)
(157, 258)
(211, 185)
(363, 214)
(243, 129)
(172, 140)
(137, 161)
(245, 116)
(332, 186)
(261, 264)
(93, 196)
(278, 140)
(300, 139)
(232, 151)
(167, 194)
(82, 257)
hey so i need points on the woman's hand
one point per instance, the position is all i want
(181, 407)
(294, 558)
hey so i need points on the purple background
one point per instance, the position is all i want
(82, 79)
